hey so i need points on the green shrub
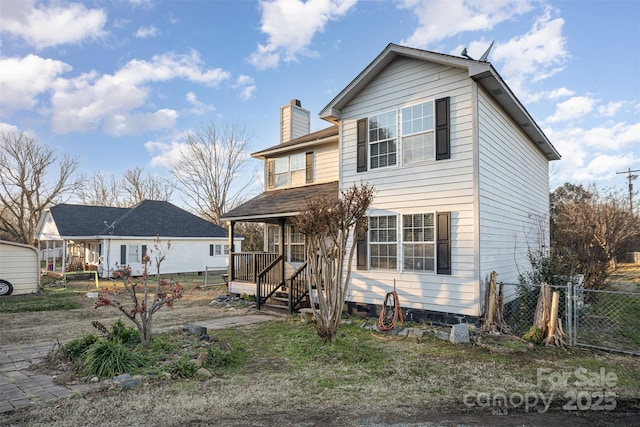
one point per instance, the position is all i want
(183, 368)
(124, 334)
(77, 347)
(109, 358)
(534, 335)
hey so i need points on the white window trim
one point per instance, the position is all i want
(433, 242)
(397, 139)
(401, 134)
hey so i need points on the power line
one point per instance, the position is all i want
(630, 178)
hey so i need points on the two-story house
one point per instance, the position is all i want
(460, 171)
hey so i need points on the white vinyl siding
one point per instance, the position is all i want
(186, 255)
(514, 192)
(418, 188)
(290, 169)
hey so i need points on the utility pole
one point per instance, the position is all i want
(630, 178)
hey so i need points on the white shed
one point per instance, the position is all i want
(19, 270)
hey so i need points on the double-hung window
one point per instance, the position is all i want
(382, 140)
(418, 142)
(282, 171)
(383, 238)
(418, 242)
(297, 169)
(133, 254)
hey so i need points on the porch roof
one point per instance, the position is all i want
(280, 203)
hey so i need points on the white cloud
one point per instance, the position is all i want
(534, 56)
(290, 26)
(573, 108)
(199, 108)
(148, 31)
(91, 100)
(53, 24)
(611, 109)
(124, 124)
(246, 86)
(164, 154)
(582, 151)
(562, 92)
(23, 79)
(439, 20)
(8, 128)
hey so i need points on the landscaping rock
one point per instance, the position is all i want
(442, 335)
(129, 383)
(459, 333)
(123, 377)
(199, 361)
(224, 345)
(412, 333)
(194, 329)
(202, 372)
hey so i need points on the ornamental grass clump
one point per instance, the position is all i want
(109, 358)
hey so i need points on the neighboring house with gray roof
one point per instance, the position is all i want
(106, 238)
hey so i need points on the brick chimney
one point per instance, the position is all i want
(294, 121)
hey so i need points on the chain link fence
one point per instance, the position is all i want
(604, 319)
(608, 319)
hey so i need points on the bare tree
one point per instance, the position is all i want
(98, 189)
(327, 226)
(590, 230)
(137, 188)
(31, 180)
(209, 166)
(101, 189)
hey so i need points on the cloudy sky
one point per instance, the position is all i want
(118, 84)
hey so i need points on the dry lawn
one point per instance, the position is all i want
(288, 378)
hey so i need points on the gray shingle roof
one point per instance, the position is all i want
(148, 218)
(284, 202)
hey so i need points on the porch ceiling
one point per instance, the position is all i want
(280, 203)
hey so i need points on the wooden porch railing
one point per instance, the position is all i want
(269, 280)
(247, 265)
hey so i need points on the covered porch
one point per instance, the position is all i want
(276, 276)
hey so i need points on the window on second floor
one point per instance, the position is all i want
(287, 171)
(382, 140)
(423, 135)
(417, 133)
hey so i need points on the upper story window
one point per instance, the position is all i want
(382, 139)
(293, 170)
(417, 133)
(424, 135)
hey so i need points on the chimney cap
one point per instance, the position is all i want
(296, 102)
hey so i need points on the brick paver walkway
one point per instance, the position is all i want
(21, 386)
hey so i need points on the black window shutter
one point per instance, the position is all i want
(361, 249)
(309, 167)
(270, 173)
(123, 255)
(443, 145)
(362, 145)
(144, 251)
(444, 242)
(210, 250)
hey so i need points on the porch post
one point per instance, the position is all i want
(231, 251)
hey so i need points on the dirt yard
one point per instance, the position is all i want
(65, 325)
(418, 393)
